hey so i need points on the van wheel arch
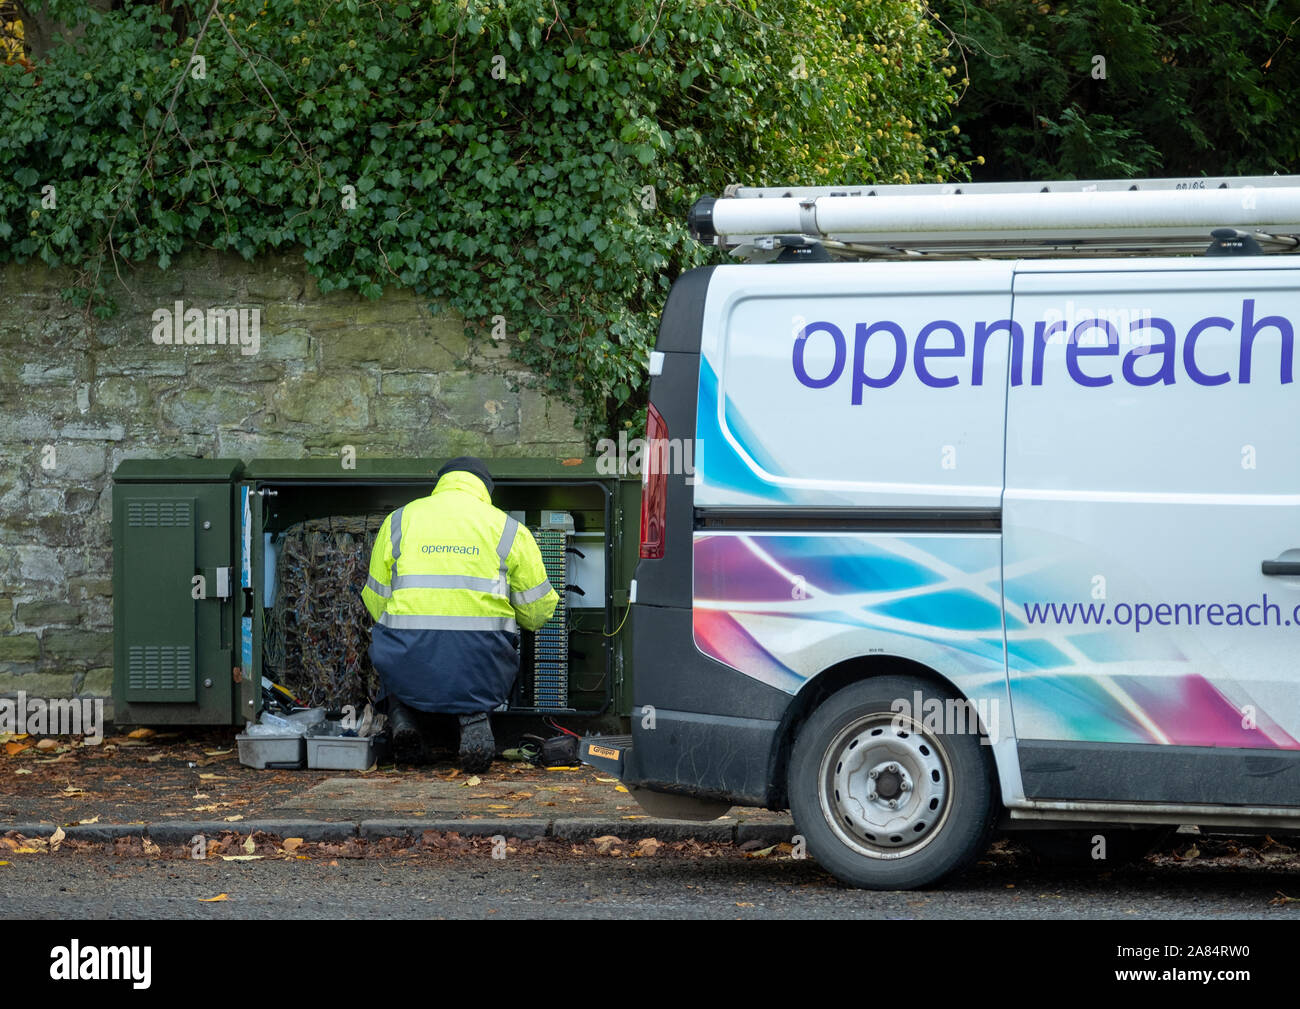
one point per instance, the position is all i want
(822, 686)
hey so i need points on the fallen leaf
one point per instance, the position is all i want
(150, 848)
(232, 819)
(620, 788)
(648, 846)
(202, 795)
(93, 819)
(56, 838)
(209, 900)
(292, 843)
(241, 858)
(47, 744)
(216, 753)
(249, 846)
(605, 843)
(608, 781)
(140, 733)
(744, 903)
(23, 770)
(27, 851)
(154, 759)
(472, 781)
(761, 853)
(212, 777)
(213, 807)
(15, 748)
(1282, 898)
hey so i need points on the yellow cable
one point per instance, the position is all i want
(615, 631)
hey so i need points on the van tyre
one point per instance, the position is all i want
(857, 754)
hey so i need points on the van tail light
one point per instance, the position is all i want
(654, 486)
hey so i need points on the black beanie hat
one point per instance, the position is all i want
(469, 464)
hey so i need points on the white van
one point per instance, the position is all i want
(938, 545)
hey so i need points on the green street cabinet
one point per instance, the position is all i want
(195, 544)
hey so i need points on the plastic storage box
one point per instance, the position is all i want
(340, 753)
(270, 751)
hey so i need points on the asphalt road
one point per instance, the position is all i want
(102, 886)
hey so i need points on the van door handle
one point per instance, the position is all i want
(1280, 567)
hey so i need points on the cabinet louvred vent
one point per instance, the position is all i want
(160, 667)
(158, 514)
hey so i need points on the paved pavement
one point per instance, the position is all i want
(173, 785)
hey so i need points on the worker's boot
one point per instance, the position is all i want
(408, 744)
(478, 747)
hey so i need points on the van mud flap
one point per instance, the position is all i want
(611, 753)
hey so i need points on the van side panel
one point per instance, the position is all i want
(783, 607)
(846, 503)
(1151, 472)
(849, 473)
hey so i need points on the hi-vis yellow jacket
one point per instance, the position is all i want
(451, 580)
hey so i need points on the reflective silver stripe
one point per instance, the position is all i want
(531, 595)
(416, 622)
(507, 541)
(395, 533)
(496, 586)
(376, 588)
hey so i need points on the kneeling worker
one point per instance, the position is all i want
(451, 580)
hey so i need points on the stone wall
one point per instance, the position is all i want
(389, 377)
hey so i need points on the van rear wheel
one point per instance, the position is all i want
(883, 801)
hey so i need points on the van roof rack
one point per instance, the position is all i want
(1004, 219)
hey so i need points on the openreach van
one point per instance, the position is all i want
(975, 507)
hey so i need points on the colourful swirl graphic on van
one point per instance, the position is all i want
(718, 457)
(783, 607)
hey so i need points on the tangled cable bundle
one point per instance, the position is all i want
(318, 638)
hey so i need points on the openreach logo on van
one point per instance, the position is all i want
(234, 327)
(944, 354)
